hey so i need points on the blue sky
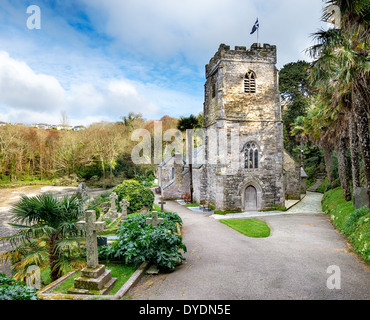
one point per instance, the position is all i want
(101, 59)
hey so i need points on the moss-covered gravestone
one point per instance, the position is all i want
(94, 279)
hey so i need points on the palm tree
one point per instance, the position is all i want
(46, 234)
(342, 69)
(299, 132)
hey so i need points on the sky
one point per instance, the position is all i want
(98, 60)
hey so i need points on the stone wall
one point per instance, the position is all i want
(292, 181)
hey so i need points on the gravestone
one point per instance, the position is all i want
(94, 279)
(112, 213)
(33, 277)
(361, 197)
(124, 204)
(154, 220)
(162, 202)
(82, 189)
(144, 211)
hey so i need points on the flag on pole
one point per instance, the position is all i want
(255, 27)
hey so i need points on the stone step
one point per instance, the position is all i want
(105, 290)
(93, 273)
(93, 283)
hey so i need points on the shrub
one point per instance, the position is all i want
(139, 242)
(138, 195)
(13, 290)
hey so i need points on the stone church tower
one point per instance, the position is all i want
(242, 99)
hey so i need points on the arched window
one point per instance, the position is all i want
(250, 82)
(251, 156)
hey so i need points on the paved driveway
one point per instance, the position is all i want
(290, 264)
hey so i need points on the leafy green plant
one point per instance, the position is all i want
(350, 224)
(137, 194)
(139, 242)
(13, 290)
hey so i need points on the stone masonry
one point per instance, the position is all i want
(244, 166)
(255, 117)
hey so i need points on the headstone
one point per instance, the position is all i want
(102, 241)
(144, 211)
(154, 220)
(361, 197)
(162, 202)
(33, 277)
(153, 270)
(124, 204)
(90, 226)
(82, 189)
(94, 279)
(112, 213)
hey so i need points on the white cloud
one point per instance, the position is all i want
(21, 87)
(28, 97)
(194, 29)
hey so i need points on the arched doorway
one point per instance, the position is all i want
(250, 198)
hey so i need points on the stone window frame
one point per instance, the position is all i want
(213, 90)
(252, 157)
(250, 82)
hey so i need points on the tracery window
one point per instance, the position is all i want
(251, 156)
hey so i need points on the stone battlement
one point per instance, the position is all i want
(256, 53)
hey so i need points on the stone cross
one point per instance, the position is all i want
(82, 189)
(90, 226)
(113, 197)
(154, 220)
(124, 204)
(161, 203)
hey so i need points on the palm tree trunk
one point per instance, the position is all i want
(328, 158)
(342, 167)
(362, 123)
(53, 257)
(355, 155)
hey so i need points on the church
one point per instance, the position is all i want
(241, 164)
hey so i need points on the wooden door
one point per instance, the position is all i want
(250, 196)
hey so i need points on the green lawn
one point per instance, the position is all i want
(250, 227)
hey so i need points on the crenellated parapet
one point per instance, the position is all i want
(256, 53)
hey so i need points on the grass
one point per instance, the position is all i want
(250, 227)
(192, 205)
(354, 224)
(119, 271)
